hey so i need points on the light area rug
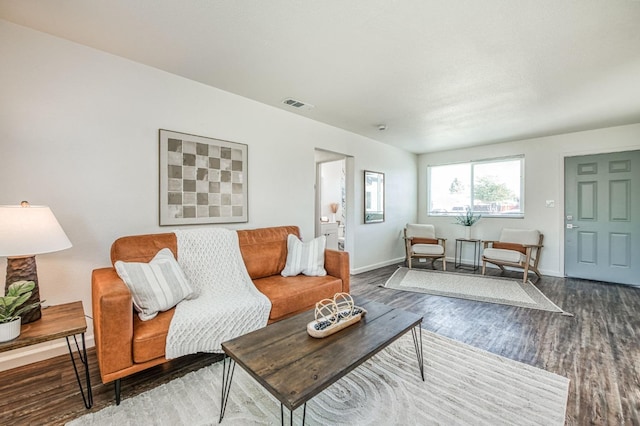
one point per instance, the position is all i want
(503, 291)
(463, 386)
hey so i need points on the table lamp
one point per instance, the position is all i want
(25, 231)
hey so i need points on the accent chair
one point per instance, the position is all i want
(516, 248)
(421, 242)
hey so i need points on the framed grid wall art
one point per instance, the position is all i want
(202, 180)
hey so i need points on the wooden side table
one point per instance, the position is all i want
(59, 321)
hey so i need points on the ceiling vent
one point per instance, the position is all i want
(297, 104)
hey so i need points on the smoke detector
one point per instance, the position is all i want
(294, 103)
(382, 127)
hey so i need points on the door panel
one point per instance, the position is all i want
(620, 200)
(588, 243)
(620, 250)
(587, 196)
(602, 217)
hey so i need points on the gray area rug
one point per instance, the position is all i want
(463, 386)
(481, 288)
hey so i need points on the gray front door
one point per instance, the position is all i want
(602, 217)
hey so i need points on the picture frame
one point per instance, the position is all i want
(202, 180)
(373, 197)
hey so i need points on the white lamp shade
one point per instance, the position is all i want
(26, 231)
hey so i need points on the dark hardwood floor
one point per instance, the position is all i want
(598, 349)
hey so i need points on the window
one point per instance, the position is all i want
(489, 187)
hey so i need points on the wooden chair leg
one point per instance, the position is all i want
(526, 274)
(535, 271)
(444, 263)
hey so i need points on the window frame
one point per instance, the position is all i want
(471, 164)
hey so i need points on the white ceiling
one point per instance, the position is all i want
(440, 74)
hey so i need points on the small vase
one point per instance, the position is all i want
(467, 232)
(9, 330)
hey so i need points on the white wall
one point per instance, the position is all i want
(544, 180)
(79, 132)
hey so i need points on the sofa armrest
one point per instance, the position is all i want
(112, 321)
(336, 263)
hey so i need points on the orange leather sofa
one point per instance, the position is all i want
(126, 345)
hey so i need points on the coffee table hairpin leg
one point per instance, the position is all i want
(418, 346)
(228, 368)
(227, 378)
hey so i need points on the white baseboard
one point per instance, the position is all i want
(368, 268)
(40, 352)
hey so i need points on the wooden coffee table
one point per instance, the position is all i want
(295, 367)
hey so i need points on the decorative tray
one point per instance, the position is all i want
(332, 315)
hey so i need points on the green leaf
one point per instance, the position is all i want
(11, 305)
(20, 287)
(8, 302)
(26, 309)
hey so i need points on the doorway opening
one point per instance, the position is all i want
(334, 195)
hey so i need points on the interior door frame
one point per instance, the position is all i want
(350, 196)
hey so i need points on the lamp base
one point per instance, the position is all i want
(24, 269)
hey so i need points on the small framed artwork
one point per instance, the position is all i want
(373, 197)
(202, 180)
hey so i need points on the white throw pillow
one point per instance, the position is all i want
(306, 258)
(156, 286)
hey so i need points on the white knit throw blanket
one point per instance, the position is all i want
(227, 305)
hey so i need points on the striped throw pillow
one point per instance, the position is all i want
(156, 286)
(305, 258)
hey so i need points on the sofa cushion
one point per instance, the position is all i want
(291, 295)
(155, 286)
(150, 337)
(142, 248)
(264, 250)
(305, 258)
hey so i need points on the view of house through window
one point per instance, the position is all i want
(490, 187)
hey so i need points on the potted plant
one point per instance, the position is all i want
(467, 219)
(12, 305)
